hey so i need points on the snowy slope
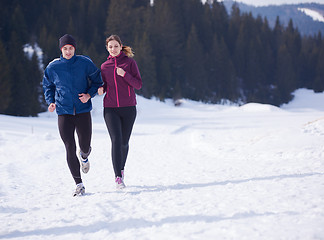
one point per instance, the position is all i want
(196, 171)
(316, 16)
(277, 2)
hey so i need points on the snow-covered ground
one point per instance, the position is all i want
(197, 171)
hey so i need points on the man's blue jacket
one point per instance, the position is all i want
(64, 79)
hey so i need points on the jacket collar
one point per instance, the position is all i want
(71, 60)
(119, 56)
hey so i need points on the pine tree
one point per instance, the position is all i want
(319, 79)
(193, 12)
(285, 76)
(6, 20)
(240, 53)
(277, 34)
(164, 80)
(220, 20)
(292, 39)
(221, 72)
(255, 79)
(167, 46)
(146, 63)
(195, 74)
(5, 80)
(233, 29)
(18, 24)
(50, 45)
(120, 18)
(20, 96)
(34, 89)
(95, 29)
(267, 55)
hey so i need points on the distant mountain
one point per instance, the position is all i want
(305, 23)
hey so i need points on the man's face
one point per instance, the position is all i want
(68, 51)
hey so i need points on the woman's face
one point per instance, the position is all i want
(68, 51)
(114, 48)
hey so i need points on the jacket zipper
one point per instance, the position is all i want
(115, 70)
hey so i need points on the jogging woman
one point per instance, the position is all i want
(120, 76)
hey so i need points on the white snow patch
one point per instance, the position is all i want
(257, 107)
(313, 14)
(306, 100)
(30, 50)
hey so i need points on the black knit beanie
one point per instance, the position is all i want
(67, 39)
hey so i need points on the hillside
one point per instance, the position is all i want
(305, 23)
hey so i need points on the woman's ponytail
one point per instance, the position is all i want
(128, 51)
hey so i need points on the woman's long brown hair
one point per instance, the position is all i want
(126, 49)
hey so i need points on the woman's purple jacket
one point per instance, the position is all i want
(120, 90)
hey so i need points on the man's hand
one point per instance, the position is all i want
(84, 97)
(100, 91)
(51, 107)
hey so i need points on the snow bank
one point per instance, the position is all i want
(257, 107)
(305, 100)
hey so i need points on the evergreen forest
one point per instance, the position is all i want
(183, 48)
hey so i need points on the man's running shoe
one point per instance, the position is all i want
(85, 164)
(80, 190)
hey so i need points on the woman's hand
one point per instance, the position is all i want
(100, 91)
(84, 97)
(51, 107)
(120, 72)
